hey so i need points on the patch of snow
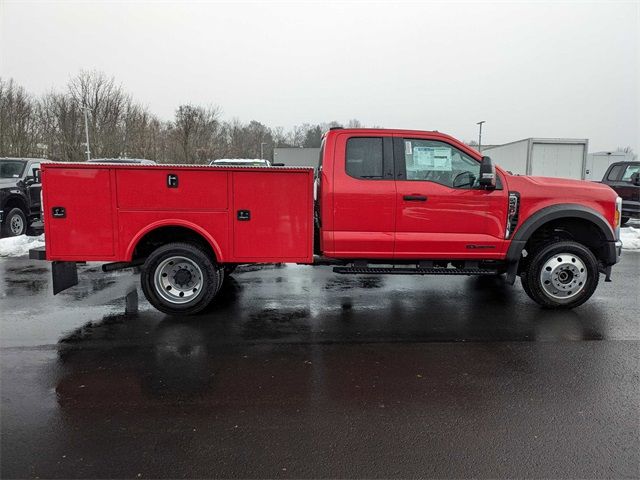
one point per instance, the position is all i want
(20, 245)
(630, 237)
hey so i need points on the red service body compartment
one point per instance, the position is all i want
(278, 210)
(245, 214)
(83, 228)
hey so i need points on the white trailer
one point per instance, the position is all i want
(546, 157)
(598, 162)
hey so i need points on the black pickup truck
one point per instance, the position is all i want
(19, 194)
(624, 178)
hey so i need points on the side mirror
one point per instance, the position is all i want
(635, 179)
(487, 174)
(36, 175)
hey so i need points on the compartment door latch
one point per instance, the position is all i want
(172, 180)
(244, 215)
(58, 212)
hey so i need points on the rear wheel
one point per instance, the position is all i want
(180, 279)
(15, 223)
(561, 275)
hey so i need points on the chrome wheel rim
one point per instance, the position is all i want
(17, 225)
(178, 280)
(563, 276)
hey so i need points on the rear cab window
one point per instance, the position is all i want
(364, 158)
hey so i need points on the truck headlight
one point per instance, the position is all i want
(617, 217)
(512, 214)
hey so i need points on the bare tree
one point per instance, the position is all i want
(18, 125)
(53, 126)
(628, 151)
(195, 131)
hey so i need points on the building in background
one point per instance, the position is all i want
(598, 163)
(546, 157)
(296, 156)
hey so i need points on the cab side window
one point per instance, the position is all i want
(364, 158)
(433, 161)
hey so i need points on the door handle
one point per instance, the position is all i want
(414, 198)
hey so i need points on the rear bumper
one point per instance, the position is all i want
(39, 253)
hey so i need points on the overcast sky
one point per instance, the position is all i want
(529, 69)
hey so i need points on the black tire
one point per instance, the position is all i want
(525, 284)
(624, 220)
(15, 223)
(575, 262)
(202, 268)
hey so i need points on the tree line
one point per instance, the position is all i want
(53, 126)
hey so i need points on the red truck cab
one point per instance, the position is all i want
(386, 202)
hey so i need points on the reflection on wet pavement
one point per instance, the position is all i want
(296, 372)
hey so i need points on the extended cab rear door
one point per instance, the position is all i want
(441, 211)
(364, 196)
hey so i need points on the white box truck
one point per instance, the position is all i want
(598, 163)
(546, 157)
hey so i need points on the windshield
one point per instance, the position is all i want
(11, 168)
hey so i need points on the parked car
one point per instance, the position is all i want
(624, 178)
(122, 160)
(388, 202)
(241, 162)
(19, 194)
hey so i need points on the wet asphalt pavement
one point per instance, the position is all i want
(297, 372)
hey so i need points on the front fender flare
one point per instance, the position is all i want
(545, 215)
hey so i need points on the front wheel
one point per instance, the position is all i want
(180, 279)
(561, 275)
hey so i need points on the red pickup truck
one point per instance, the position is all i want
(386, 202)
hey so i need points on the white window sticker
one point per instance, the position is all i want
(432, 158)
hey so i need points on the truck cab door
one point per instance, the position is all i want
(441, 210)
(364, 196)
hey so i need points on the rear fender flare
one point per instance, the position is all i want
(174, 223)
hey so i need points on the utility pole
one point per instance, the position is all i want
(262, 144)
(480, 135)
(86, 130)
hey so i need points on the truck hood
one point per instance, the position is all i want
(5, 182)
(561, 184)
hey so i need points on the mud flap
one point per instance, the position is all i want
(64, 275)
